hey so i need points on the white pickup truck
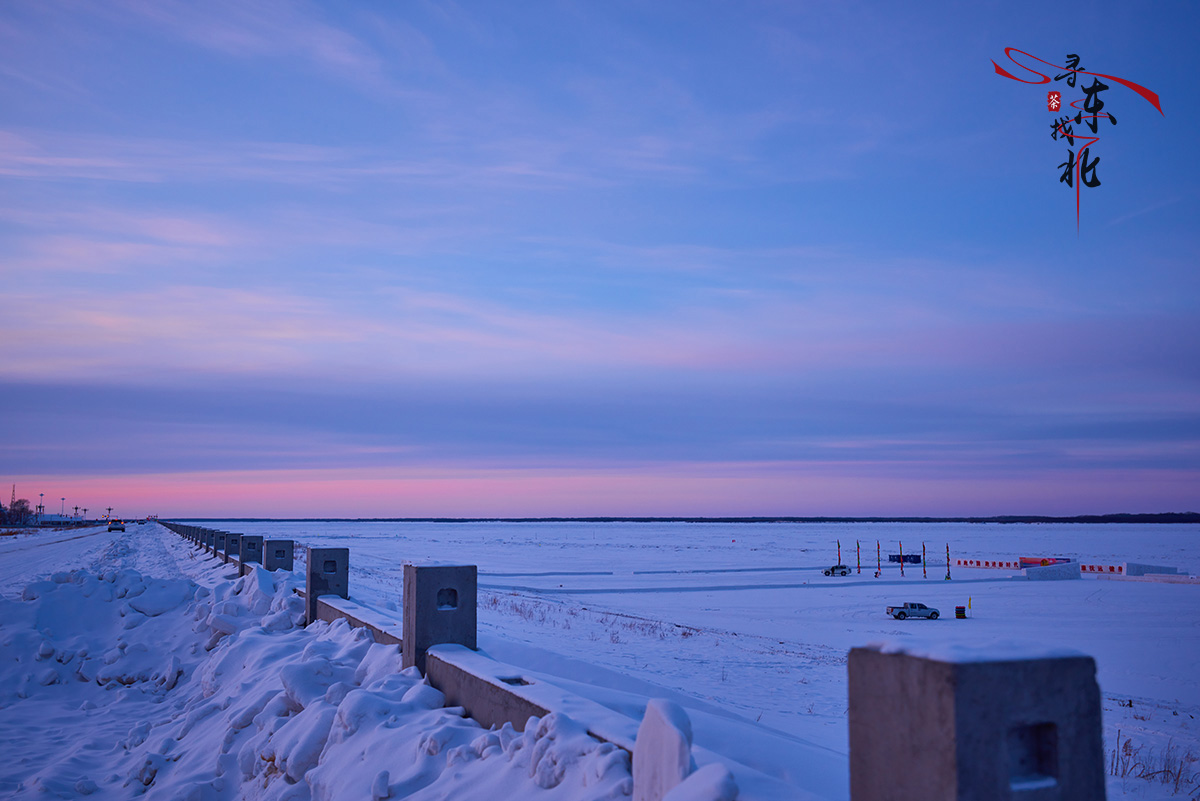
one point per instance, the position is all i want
(913, 610)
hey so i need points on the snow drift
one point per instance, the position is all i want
(127, 685)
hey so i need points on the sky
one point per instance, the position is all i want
(291, 259)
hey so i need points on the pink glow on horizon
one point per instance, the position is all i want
(664, 490)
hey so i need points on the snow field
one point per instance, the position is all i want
(733, 623)
(736, 623)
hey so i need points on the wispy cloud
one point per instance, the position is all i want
(1153, 207)
(397, 330)
(272, 29)
(515, 163)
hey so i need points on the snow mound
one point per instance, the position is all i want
(125, 685)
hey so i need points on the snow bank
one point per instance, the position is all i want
(121, 685)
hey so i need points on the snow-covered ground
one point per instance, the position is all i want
(738, 625)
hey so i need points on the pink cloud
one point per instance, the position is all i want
(718, 489)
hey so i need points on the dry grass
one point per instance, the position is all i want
(1171, 766)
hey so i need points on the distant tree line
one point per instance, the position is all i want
(18, 513)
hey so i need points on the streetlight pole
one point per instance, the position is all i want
(62, 512)
(41, 505)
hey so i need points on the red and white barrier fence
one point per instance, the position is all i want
(1002, 564)
(994, 564)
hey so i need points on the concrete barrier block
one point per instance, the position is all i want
(1063, 571)
(218, 544)
(1137, 569)
(440, 607)
(662, 753)
(250, 552)
(483, 700)
(233, 545)
(277, 554)
(933, 729)
(328, 574)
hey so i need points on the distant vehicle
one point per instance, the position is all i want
(837, 570)
(913, 610)
(116, 525)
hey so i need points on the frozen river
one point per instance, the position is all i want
(738, 622)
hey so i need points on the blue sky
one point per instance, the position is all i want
(593, 258)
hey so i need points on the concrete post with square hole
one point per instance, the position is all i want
(277, 554)
(251, 553)
(328, 574)
(218, 545)
(233, 547)
(440, 607)
(928, 728)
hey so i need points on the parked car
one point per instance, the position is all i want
(837, 570)
(116, 525)
(913, 610)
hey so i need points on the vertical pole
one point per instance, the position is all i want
(858, 555)
(839, 544)
(924, 571)
(947, 561)
(901, 559)
(878, 561)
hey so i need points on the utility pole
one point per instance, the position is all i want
(85, 513)
(76, 511)
(109, 513)
(62, 512)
